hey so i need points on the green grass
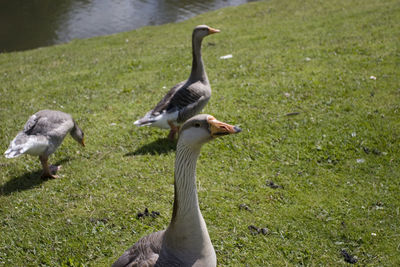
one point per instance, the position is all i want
(311, 57)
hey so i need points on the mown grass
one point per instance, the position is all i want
(337, 159)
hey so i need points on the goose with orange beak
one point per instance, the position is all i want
(187, 98)
(186, 241)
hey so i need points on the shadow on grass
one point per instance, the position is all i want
(160, 146)
(26, 181)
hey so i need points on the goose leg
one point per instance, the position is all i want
(173, 131)
(48, 171)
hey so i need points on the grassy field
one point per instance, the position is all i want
(301, 85)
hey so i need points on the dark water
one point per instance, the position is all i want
(27, 24)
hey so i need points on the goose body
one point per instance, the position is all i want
(186, 241)
(187, 98)
(43, 133)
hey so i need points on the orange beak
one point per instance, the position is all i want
(212, 30)
(83, 142)
(219, 128)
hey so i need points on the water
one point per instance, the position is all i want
(27, 24)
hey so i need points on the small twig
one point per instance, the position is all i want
(292, 113)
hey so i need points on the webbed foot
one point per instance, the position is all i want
(51, 172)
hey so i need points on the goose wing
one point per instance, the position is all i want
(48, 122)
(183, 101)
(158, 112)
(166, 103)
(144, 253)
(189, 99)
(30, 124)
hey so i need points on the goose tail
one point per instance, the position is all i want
(144, 122)
(13, 152)
(159, 120)
(16, 149)
(24, 144)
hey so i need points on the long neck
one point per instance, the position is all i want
(198, 72)
(186, 201)
(74, 132)
(187, 229)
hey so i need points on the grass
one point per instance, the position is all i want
(337, 159)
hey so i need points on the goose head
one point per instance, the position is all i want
(78, 135)
(202, 31)
(203, 128)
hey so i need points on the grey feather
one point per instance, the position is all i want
(143, 253)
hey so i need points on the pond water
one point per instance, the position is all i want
(27, 24)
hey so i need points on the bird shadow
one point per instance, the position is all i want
(26, 181)
(159, 146)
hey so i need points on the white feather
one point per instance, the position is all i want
(160, 121)
(34, 146)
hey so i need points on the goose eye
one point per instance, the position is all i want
(197, 125)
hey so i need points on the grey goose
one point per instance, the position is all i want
(186, 241)
(43, 133)
(187, 98)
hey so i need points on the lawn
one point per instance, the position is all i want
(315, 86)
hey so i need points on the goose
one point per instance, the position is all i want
(42, 134)
(187, 98)
(185, 242)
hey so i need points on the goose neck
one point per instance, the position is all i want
(186, 200)
(187, 233)
(187, 229)
(198, 71)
